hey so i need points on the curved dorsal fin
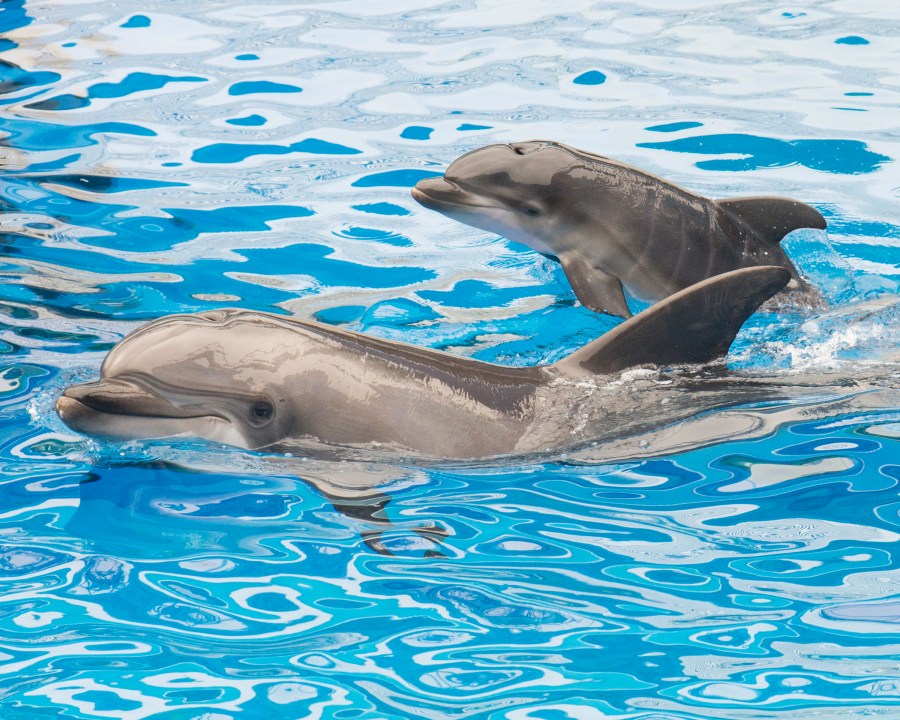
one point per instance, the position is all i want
(772, 217)
(695, 325)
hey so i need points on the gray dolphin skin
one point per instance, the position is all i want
(258, 380)
(612, 225)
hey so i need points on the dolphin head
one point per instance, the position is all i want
(522, 191)
(200, 375)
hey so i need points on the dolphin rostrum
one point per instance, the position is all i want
(612, 225)
(258, 380)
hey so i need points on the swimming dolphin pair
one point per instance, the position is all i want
(612, 225)
(258, 380)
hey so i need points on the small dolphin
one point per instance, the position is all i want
(257, 380)
(610, 224)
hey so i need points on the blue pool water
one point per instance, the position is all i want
(164, 157)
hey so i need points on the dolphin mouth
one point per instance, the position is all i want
(439, 193)
(123, 397)
(122, 409)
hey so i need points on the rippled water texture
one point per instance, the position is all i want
(160, 157)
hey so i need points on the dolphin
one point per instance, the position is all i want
(610, 224)
(263, 381)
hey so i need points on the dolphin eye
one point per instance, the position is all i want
(532, 210)
(261, 412)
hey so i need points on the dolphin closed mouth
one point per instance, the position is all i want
(114, 407)
(438, 192)
(118, 396)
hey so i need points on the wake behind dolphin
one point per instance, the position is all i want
(612, 225)
(262, 381)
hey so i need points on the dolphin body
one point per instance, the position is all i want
(263, 381)
(612, 225)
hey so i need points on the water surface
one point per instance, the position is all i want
(161, 158)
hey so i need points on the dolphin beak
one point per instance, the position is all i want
(439, 193)
(120, 397)
(108, 407)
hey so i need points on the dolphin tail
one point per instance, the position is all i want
(772, 217)
(695, 325)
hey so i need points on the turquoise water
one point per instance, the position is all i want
(161, 157)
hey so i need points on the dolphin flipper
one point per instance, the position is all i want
(696, 325)
(595, 289)
(772, 217)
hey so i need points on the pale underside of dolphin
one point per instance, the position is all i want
(610, 225)
(262, 381)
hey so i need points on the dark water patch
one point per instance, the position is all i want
(86, 343)
(394, 178)
(17, 312)
(14, 244)
(841, 157)
(851, 40)
(416, 132)
(133, 83)
(591, 77)
(107, 183)
(340, 315)
(61, 103)
(139, 82)
(13, 78)
(106, 701)
(241, 218)
(248, 121)
(12, 16)
(30, 135)
(382, 208)
(245, 505)
(136, 21)
(225, 153)
(252, 87)
(674, 127)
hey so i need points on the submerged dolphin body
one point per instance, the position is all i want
(611, 225)
(257, 380)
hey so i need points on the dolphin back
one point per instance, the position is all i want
(695, 325)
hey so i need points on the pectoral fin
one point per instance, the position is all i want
(773, 217)
(595, 289)
(695, 325)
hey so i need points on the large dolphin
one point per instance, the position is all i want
(257, 380)
(612, 225)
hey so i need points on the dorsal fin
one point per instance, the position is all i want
(772, 217)
(695, 325)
